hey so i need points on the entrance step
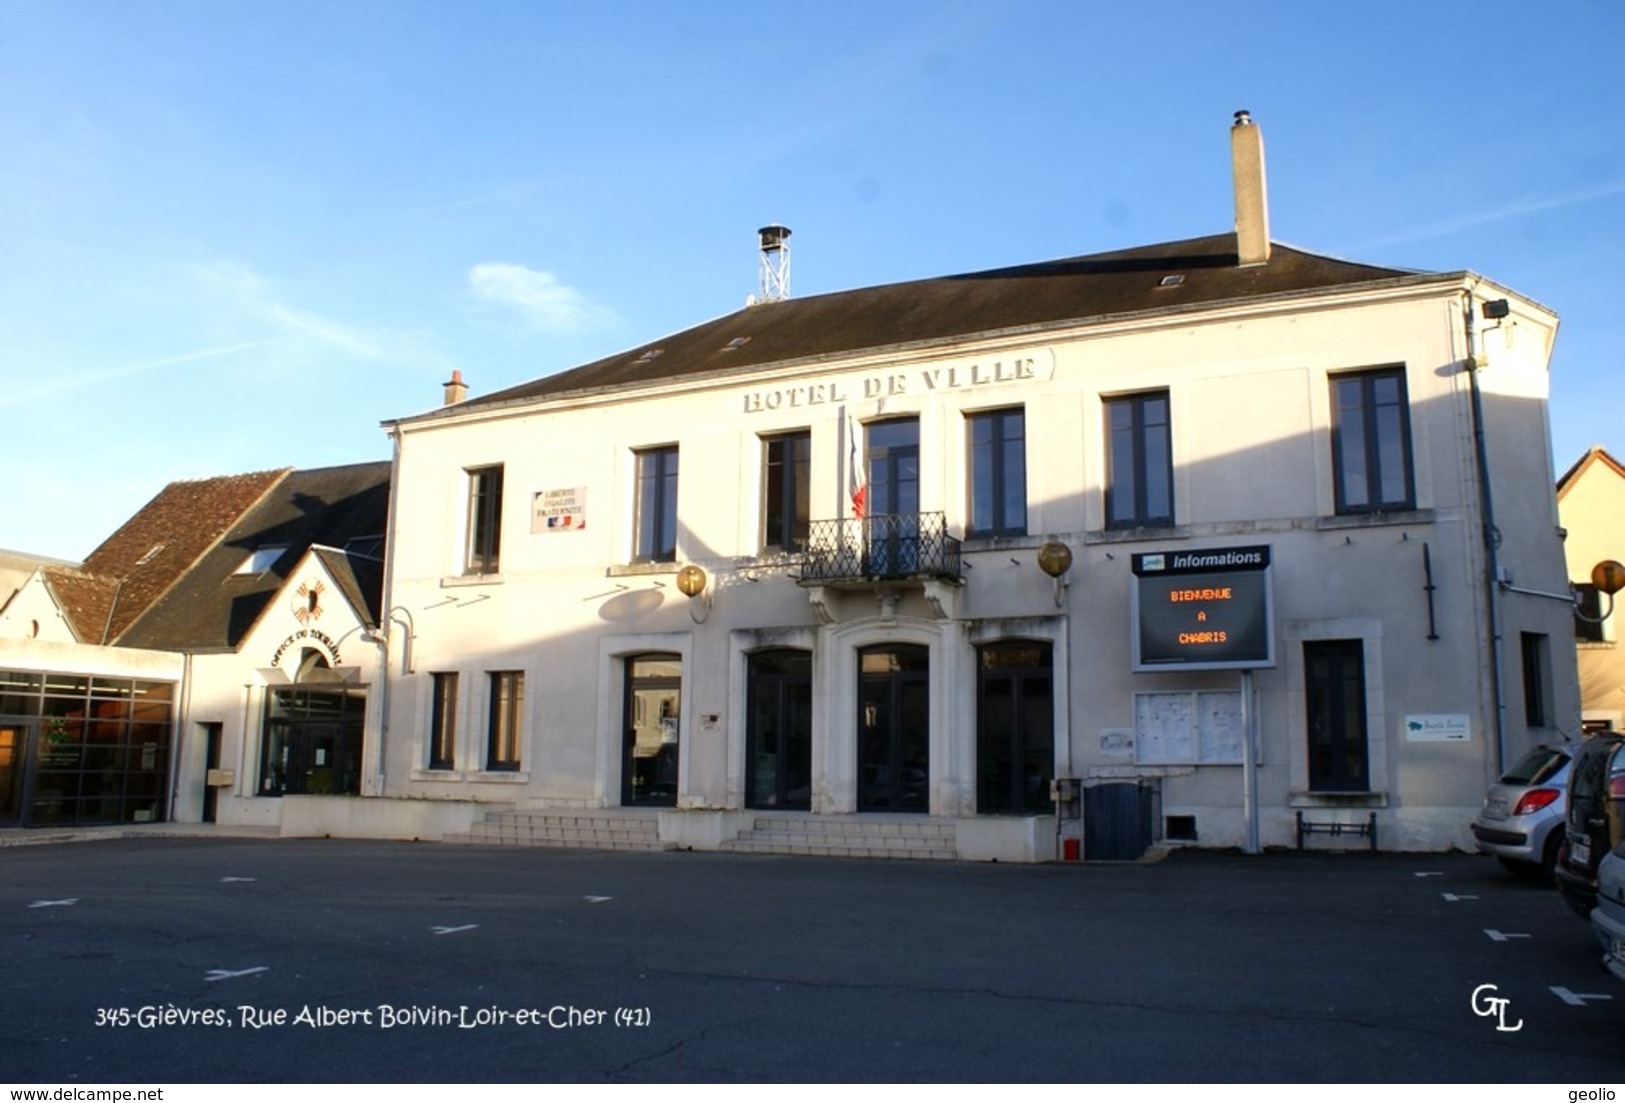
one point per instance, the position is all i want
(857, 836)
(576, 829)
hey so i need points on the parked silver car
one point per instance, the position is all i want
(1521, 822)
(1608, 917)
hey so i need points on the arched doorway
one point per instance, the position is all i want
(894, 728)
(313, 733)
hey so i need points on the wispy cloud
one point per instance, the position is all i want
(258, 298)
(1472, 219)
(545, 303)
(18, 396)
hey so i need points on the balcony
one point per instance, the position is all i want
(886, 548)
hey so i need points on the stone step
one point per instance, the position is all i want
(848, 837)
(853, 849)
(575, 830)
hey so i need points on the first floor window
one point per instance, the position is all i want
(786, 475)
(443, 723)
(484, 520)
(507, 705)
(1139, 461)
(998, 473)
(655, 524)
(1371, 442)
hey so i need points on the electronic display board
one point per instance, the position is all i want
(1203, 609)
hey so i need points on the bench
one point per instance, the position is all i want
(1367, 830)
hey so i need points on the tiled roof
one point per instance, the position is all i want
(150, 552)
(86, 600)
(1104, 285)
(215, 605)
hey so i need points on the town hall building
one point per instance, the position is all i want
(1225, 535)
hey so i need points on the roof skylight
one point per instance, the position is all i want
(262, 559)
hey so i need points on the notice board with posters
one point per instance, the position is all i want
(1189, 728)
(1202, 609)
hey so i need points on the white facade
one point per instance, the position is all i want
(1250, 388)
(1591, 502)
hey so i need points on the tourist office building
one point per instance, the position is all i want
(1213, 533)
(218, 653)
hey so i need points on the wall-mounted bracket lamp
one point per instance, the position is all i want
(691, 582)
(1055, 559)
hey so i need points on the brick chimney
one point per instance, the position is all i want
(456, 389)
(1252, 205)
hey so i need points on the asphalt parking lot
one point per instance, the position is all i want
(230, 960)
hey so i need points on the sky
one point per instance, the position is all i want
(238, 236)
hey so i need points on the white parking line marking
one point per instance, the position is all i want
(454, 930)
(1503, 936)
(232, 880)
(228, 974)
(72, 900)
(1430, 873)
(597, 899)
(1577, 999)
(1454, 899)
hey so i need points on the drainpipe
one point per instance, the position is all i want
(386, 603)
(1491, 536)
(179, 723)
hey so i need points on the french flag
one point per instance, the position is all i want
(855, 484)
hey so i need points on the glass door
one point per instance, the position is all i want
(652, 732)
(14, 739)
(894, 744)
(1015, 727)
(894, 497)
(778, 733)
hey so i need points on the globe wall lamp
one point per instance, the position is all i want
(691, 583)
(1055, 559)
(1609, 578)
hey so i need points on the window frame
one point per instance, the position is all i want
(786, 479)
(995, 455)
(1535, 655)
(482, 550)
(504, 751)
(654, 514)
(1372, 438)
(1335, 688)
(1140, 513)
(1590, 626)
(443, 721)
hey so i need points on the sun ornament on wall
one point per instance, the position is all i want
(307, 601)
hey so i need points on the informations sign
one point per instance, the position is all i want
(1203, 609)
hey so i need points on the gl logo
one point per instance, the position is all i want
(1493, 1006)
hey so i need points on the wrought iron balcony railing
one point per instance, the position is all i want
(886, 547)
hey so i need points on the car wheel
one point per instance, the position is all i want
(1548, 861)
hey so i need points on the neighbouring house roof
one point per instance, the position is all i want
(137, 565)
(1594, 455)
(1103, 285)
(214, 605)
